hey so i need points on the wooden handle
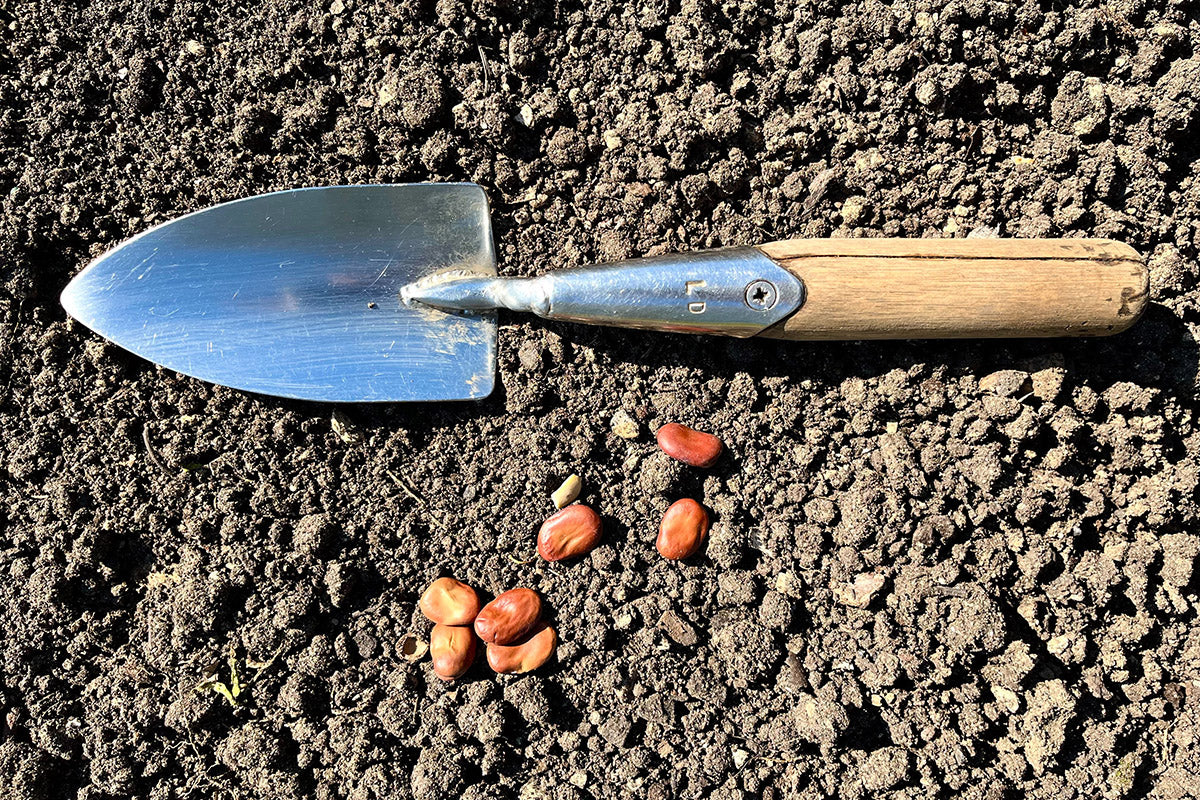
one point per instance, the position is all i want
(958, 288)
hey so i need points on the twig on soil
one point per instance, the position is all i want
(207, 776)
(150, 449)
(407, 489)
(260, 667)
(483, 61)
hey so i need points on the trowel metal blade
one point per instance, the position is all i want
(296, 294)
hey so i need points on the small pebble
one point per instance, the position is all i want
(859, 593)
(1006, 383)
(1007, 698)
(678, 629)
(624, 425)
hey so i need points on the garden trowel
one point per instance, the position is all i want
(390, 292)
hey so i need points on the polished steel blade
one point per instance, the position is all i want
(296, 294)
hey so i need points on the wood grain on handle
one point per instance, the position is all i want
(958, 288)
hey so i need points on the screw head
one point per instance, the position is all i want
(761, 295)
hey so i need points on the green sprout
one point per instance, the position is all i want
(233, 689)
(230, 691)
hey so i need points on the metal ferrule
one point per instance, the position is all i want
(732, 292)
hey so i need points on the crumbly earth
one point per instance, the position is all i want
(1019, 519)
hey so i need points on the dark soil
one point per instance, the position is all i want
(1031, 506)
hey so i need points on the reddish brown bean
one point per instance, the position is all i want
(509, 617)
(571, 532)
(453, 650)
(526, 655)
(449, 602)
(682, 530)
(692, 447)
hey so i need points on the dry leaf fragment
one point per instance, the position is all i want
(344, 428)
